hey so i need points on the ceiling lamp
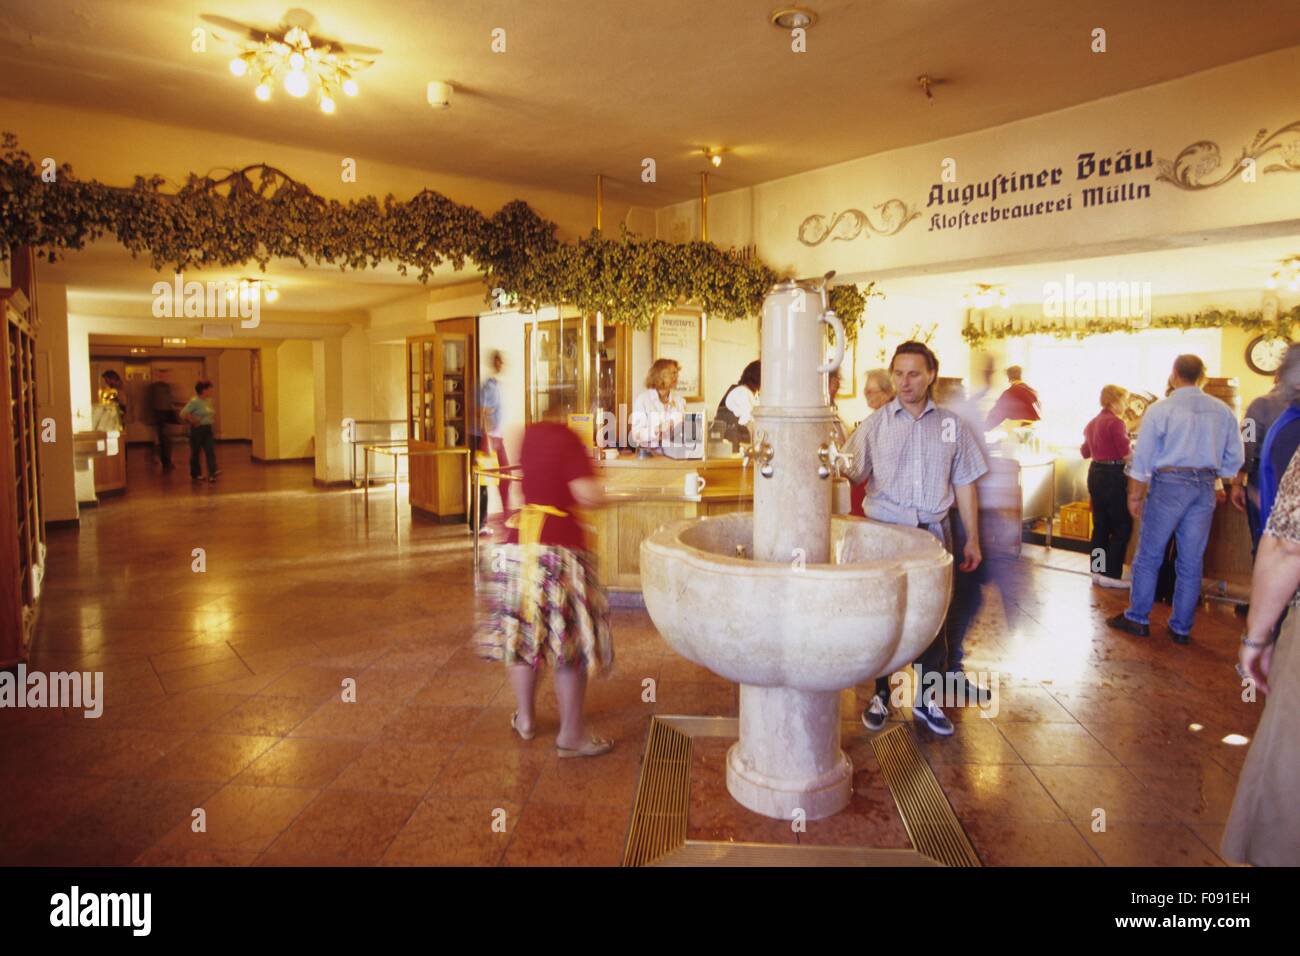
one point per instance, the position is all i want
(250, 289)
(713, 155)
(301, 63)
(792, 18)
(985, 295)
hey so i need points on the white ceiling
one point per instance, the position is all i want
(596, 86)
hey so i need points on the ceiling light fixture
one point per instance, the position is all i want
(713, 155)
(792, 18)
(290, 54)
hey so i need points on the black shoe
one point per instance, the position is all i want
(933, 717)
(874, 716)
(1183, 639)
(212, 477)
(1122, 623)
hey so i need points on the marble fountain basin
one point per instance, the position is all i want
(813, 628)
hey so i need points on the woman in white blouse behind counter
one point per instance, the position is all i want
(657, 414)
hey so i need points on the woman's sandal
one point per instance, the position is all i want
(515, 727)
(592, 748)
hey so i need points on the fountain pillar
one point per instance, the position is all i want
(788, 756)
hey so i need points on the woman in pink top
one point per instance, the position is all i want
(1105, 441)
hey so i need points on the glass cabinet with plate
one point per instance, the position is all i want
(581, 364)
(441, 405)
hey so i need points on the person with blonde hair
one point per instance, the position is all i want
(1106, 442)
(878, 388)
(658, 415)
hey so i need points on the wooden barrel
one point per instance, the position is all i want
(1227, 390)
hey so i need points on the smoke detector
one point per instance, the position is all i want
(439, 94)
(793, 17)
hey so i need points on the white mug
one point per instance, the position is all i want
(692, 484)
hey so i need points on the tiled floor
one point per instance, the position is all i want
(223, 694)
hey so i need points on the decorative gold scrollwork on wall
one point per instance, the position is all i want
(851, 223)
(1201, 159)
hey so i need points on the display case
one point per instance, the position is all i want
(581, 364)
(441, 409)
(22, 527)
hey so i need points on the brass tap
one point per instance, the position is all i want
(760, 452)
(834, 460)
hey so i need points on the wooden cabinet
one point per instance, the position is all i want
(22, 528)
(441, 408)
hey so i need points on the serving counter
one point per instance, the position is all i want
(647, 493)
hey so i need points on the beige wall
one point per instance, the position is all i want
(234, 394)
(295, 399)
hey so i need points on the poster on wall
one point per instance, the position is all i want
(679, 336)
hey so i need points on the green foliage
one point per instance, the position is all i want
(259, 213)
(1209, 319)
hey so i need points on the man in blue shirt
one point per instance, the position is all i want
(1187, 441)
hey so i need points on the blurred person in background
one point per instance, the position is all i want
(491, 428)
(162, 414)
(1019, 403)
(658, 414)
(1105, 441)
(548, 606)
(200, 415)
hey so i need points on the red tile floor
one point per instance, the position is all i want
(223, 693)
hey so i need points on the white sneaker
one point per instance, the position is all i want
(1104, 581)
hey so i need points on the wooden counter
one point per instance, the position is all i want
(644, 495)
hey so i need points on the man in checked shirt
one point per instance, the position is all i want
(920, 458)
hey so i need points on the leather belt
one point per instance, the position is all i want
(1186, 470)
(1116, 461)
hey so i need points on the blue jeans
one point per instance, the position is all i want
(1179, 505)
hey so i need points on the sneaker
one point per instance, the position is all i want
(874, 717)
(485, 531)
(1122, 623)
(933, 717)
(212, 477)
(1105, 581)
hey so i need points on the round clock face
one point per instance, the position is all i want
(1264, 353)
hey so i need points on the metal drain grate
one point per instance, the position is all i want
(663, 796)
(931, 824)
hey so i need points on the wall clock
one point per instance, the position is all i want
(1265, 352)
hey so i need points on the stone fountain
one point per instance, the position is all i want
(790, 602)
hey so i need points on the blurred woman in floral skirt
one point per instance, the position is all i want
(547, 604)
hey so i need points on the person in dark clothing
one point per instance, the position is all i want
(1106, 442)
(162, 413)
(736, 409)
(1019, 403)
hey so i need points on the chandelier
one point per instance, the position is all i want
(291, 56)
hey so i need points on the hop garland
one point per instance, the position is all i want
(1280, 325)
(259, 213)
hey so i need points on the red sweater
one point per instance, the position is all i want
(1105, 438)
